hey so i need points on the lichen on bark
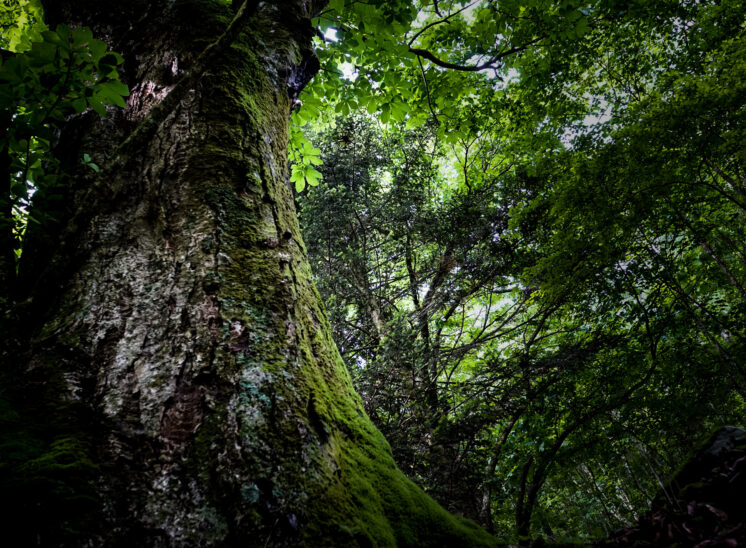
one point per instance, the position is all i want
(185, 323)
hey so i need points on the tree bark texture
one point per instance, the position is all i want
(172, 314)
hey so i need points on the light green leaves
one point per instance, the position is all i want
(335, 5)
(302, 174)
(89, 163)
(21, 23)
(65, 72)
(304, 156)
(308, 111)
(395, 111)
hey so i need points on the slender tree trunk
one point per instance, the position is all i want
(524, 504)
(485, 509)
(174, 314)
(7, 240)
(427, 374)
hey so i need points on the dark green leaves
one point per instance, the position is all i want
(62, 73)
(56, 75)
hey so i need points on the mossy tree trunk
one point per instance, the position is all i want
(172, 314)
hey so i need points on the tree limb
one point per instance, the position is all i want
(494, 63)
(438, 22)
(427, 91)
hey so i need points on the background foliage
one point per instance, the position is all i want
(529, 236)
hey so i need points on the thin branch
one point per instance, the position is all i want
(454, 66)
(427, 90)
(434, 23)
(437, 10)
(491, 64)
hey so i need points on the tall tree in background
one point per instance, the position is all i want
(409, 270)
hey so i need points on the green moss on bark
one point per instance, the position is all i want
(241, 427)
(319, 469)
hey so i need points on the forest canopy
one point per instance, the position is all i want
(525, 218)
(529, 235)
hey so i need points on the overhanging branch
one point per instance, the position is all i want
(494, 63)
(454, 66)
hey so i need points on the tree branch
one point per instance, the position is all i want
(438, 22)
(494, 63)
(427, 91)
(437, 10)
(454, 66)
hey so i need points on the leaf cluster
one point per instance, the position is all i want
(62, 74)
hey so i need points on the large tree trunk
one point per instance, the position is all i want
(172, 313)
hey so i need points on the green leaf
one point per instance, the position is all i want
(117, 87)
(111, 93)
(336, 5)
(581, 27)
(97, 49)
(385, 113)
(96, 106)
(52, 37)
(64, 33)
(296, 173)
(372, 105)
(79, 105)
(82, 36)
(312, 175)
